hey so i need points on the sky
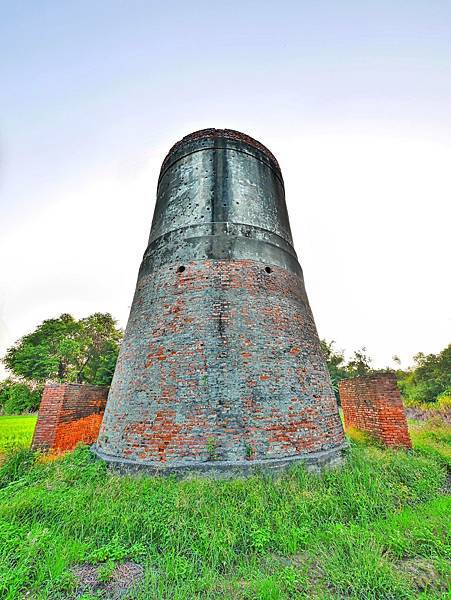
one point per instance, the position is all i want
(352, 97)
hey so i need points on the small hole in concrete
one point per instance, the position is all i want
(268, 269)
(180, 269)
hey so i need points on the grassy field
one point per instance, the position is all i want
(16, 432)
(376, 529)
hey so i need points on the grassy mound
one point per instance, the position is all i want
(375, 529)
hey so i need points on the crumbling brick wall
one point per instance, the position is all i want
(69, 414)
(372, 403)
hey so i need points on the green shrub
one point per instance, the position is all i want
(429, 380)
(17, 398)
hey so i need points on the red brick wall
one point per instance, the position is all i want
(373, 404)
(69, 414)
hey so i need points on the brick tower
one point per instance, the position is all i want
(220, 369)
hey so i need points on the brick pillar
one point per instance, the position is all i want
(372, 403)
(49, 410)
(69, 414)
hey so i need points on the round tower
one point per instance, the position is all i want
(220, 369)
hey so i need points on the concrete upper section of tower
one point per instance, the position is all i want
(220, 196)
(215, 136)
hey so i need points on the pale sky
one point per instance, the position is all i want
(353, 98)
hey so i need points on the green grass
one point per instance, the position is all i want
(433, 438)
(16, 432)
(375, 529)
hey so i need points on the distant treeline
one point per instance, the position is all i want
(426, 382)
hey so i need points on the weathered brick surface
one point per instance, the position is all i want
(222, 358)
(69, 414)
(373, 404)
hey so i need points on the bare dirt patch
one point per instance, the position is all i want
(122, 578)
(423, 574)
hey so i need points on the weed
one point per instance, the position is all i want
(106, 570)
(212, 449)
(250, 452)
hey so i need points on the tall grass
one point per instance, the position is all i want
(343, 534)
(432, 438)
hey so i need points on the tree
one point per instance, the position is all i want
(68, 350)
(335, 362)
(430, 377)
(17, 397)
(360, 364)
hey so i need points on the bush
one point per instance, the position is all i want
(429, 380)
(17, 397)
(441, 406)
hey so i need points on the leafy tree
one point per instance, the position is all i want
(430, 377)
(68, 350)
(18, 397)
(335, 362)
(360, 364)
